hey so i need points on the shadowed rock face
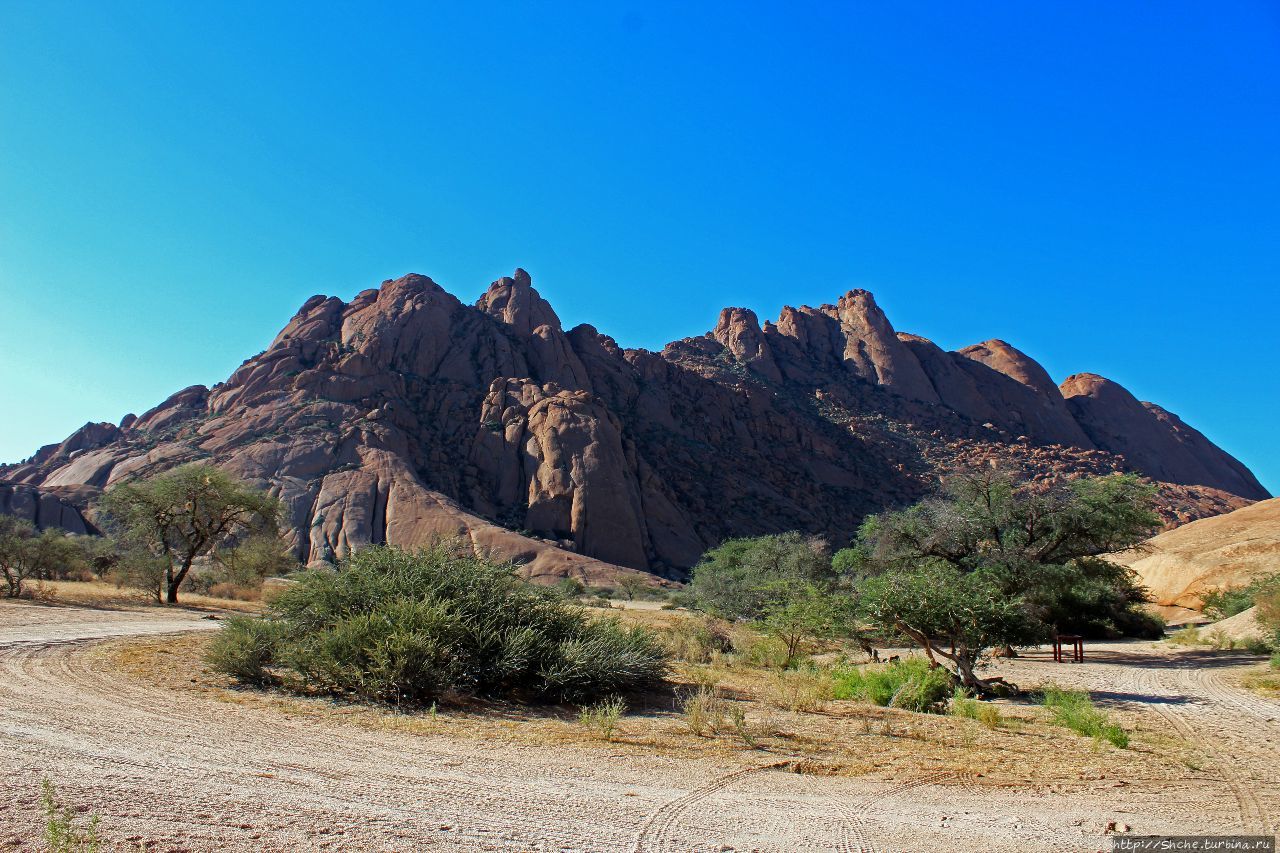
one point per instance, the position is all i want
(1153, 440)
(405, 414)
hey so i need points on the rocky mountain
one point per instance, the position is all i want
(405, 414)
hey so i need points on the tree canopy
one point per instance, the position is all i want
(184, 514)
(30, 554)
(998, 562)
(749, 578)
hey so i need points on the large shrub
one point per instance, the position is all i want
(407, 626)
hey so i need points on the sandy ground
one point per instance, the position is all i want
(179, 770)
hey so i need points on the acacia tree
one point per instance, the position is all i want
(632, 585)
(748, 578)
(784, 583)
(27, 553)
(807, 613)
(997, 562)
(184, 514)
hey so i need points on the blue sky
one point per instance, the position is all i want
(1097, 183)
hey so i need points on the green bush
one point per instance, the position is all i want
(909, 684)
(245, 648)
(1257, 645)
(603, 716)
(1076, 711)
(1224, 603)
(570, 588)
(405, 627)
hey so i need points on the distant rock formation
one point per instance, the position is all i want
(1153, 440)
(405, 414)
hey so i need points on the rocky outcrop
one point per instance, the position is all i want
(853, 334)
(41, 508)
(405, 414)
(739, 332)
(1153, 440)
(1030, 404)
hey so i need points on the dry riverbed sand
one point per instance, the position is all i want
(116, 709)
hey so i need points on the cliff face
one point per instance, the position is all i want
(406, 414)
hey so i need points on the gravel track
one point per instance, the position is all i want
(186, 772)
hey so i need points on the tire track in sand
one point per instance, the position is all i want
(1253, 816)
(853, 835)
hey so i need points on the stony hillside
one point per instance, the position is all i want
(405, 414)
(1179, 566)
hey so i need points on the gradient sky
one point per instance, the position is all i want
(1097, 183)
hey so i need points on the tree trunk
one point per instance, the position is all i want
(967, 676)
(175, 581)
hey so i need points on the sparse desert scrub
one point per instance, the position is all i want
(1188, 636)
(1266, 683)
(973, 709)
(800, 690)
(1216, 639)
(409, 626)
(849, 738)
(703, 710)
(1074, 710)
(62, 830)
(602, 717)
(96, 593)
(697, 639)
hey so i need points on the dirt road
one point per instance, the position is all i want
(185, 772)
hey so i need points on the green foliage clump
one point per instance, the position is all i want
(1267, 598)
(570, 588)
(1001, 562)
(27, 554)
(747, 578)
(1225, 603)
(783, 583)
(806, 613)
(910, 684)
(408, 626)
(1074, 710)
(62, 833)
(257, 557)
